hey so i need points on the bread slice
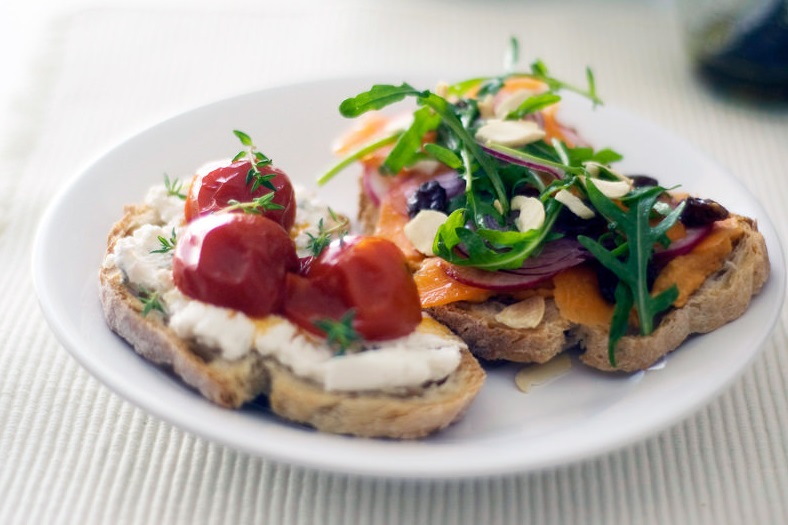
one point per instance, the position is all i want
(407, 415)
(723, 297)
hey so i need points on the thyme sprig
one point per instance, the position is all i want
(255, 178)
(151, 301)
(256, 206)
(167, 245)
(318, 243)
(340, 334)
(174, 187)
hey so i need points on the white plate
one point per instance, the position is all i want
(578, 415)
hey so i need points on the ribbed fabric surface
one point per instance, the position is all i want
(73, 452)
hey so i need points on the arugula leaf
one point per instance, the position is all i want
(533, 104)
(489, 249)
(409, 144)
(443, 155)
(635, 225)
(356, 156)
(378, 97)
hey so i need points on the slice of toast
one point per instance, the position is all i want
(412, 414)
(724, 296)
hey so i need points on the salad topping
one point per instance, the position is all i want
(524, 197)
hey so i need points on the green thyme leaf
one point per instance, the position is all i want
(256, 206)
(167, 245)
(245, 139)
(340, 334)
(174, 187)
(318, 243)
(151, 301)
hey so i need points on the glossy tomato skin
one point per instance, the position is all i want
(213, 191)
(371, 276)
(308, 302)
(235, 260)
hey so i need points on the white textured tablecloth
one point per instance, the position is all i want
(73, 452)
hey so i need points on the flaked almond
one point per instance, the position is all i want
(575, 204)
(512, 102)
(595, 168)
(442, 89)
(527, 313)
(532, 213)
(612, 189)
(486, 107)
(535, 375)
(511, 133)
(422, 228)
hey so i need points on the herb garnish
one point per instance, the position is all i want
(259, 161)
(480, 230)
(174, 187)
(167, 245)
(340, 334)
(635, 247)
(151, 301)
(318, 243)
(255, 206)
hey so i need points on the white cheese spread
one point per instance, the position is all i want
(135, 257)
(408, 361)
(423, 356)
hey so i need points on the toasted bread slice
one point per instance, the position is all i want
(723, 297)
(411, 414)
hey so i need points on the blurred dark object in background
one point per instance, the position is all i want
(739, 46)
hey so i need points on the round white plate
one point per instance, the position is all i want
(578, 415)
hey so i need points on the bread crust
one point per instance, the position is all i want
(230, 384)
(723, 297)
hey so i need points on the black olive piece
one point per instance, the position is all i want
(608, 281)
(641, 181)
(701, 212)
(429, 196)
(571, 225)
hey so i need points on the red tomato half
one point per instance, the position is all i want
(369, 275)
(235, 260)
(214, 191)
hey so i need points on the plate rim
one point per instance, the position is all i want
(47, 222)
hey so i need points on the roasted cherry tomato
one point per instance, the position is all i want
(307, 302)
(369, 275)
(213, 191)
(235, 260)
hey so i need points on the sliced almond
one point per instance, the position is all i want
(512, 133)
(422, 228)
(594, 168)
(575, 204)
(486, 107)
(532, 213)
(512, 102)
(527, 313)
(612, 189)
(535, 375)
(442, 89)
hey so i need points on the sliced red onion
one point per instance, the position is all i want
(534, 165)
(683, 245)
(555, 256)
(496, 281)
(375, 185)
